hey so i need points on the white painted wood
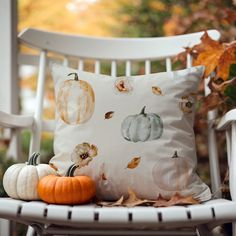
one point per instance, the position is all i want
(228, 144)
(212, 147)
(36, 133)
(15, 121)
(58, 213)
(226, 120)
(147, 67)
(83, 214)
(109, 215)
(65, 61)
(168, 64)
(128, 68)
(214, 161)
(232, 166)
(150, 215)
(113, 68)
(189, 60)
(81, 64)
(97, 68)
(4, 227)
(9, 89)
(112, 48)
(91, 216)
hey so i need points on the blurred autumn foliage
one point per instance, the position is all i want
(149, 18)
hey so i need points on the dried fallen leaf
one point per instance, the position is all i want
(119, 202)
(160, 202)
(109, 114)
(222, 86)
(227, 58)
(134, 163)
(210, 102)
(176, 199)
(210, 52)
(156, 90)
(133, 200)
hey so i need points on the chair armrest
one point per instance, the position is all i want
(15, 121)
(226, 120)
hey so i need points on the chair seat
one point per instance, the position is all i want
(82, 216)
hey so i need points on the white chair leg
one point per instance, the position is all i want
(202, 230)
(234, 228)
(30, 231)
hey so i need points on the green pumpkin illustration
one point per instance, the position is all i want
(142, 127)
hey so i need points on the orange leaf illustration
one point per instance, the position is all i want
(134, 163)
(156, 90)
(109, 114)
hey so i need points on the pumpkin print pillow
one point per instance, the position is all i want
(129, 132)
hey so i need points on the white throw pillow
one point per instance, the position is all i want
(129, 132)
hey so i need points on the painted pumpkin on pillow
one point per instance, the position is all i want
(75, 101)
(142, 127)
(172, 173)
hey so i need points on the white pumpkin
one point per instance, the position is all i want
(20, 180)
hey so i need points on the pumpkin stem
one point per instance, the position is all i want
(76, 78)
(71, 170)
(33, 159)
(175, 155)
(143, 111)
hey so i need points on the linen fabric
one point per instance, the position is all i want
(133, 132)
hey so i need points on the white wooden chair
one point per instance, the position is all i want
(91, 219)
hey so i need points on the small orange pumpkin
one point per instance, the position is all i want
(67, 189)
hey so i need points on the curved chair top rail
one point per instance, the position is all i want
(111, 48)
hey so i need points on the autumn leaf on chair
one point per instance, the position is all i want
(210, 52)
(226, 60)
(176, 199)
(134, 163)
(133, 200)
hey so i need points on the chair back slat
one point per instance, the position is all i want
(38, 115)
(113, 68)
(112, 48)
(147, 67)
(97, 67)
(81, 64)
(168, 64)
(189, 60)
(65, 61)
(128, 68)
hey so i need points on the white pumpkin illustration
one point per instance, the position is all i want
(75, 101)
(142, 127)
(172, 173)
